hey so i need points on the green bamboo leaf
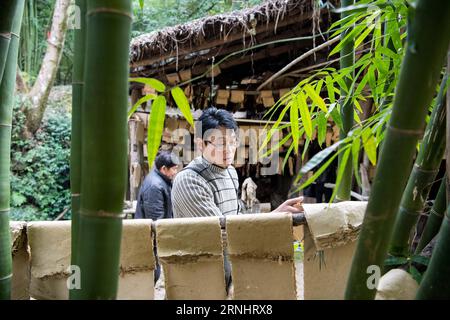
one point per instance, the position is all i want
(382, 66)
(342, 85)
(370, 147)
(354, 19)
(356, 146)
(139, 102)
(155, 128)
(268, 138)
(390, 89)
(286, 157)
(315, 98)
(415, 274)
(295, 123)
(420, 260)
(319, 157)
(395, 261)
(320, 171)
(305, 147)
(388, 53)
(376, 36)
(337, 118)
(154, 83)
(362, 66)
(372, 82)
(341, 170)
(305, 115)
(321, 128)
(141, 4)
(344, 24)
(183, 104)
(278, 146)
(349, 37)
(319, 86)
(363, 35)
(271, 112)
(356, 117)
(330, 88)
(359, 7)
(361, 85)
(275, 126)
(357, 105)
(337, 90)
(394, 34)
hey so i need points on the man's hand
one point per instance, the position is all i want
(293, 205)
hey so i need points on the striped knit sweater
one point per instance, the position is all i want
(203, 189)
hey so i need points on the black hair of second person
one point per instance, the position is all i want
(213, 118)
(165, 158)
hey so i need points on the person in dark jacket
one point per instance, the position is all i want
(154, 199)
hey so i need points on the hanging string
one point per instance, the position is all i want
(212, 81)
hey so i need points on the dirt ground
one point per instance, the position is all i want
(160, 291)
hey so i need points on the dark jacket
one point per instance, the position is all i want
(154, 199)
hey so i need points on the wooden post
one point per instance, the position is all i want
(136, 133)
(136, 157)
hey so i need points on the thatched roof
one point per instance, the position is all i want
(208, 32)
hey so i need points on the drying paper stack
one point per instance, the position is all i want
(262, 256)
(190, 251)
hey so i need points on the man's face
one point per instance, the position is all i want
(219, 146)
(169, 172)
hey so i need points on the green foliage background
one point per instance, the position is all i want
(40, 184)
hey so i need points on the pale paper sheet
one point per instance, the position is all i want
(137, 261)
(50, 258)
(20, 260)
(397, 284)
(325, 272)
(336, 224)
(330, 242)
(191, 253)
(262, 256)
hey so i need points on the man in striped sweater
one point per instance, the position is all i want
(209, 185)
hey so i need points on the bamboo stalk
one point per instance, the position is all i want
(435, 217)
(422, 176)
(389, 44)
(103, 146)
(447, 162)
(6, 106)
(75, 143)
(347, 60)
(7, 9)
(425, 52)
(436, 280)
(35, 62)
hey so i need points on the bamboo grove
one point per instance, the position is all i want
(11, 12)
(381, 98)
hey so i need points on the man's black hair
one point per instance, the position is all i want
(165, 158)
(213, 118)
